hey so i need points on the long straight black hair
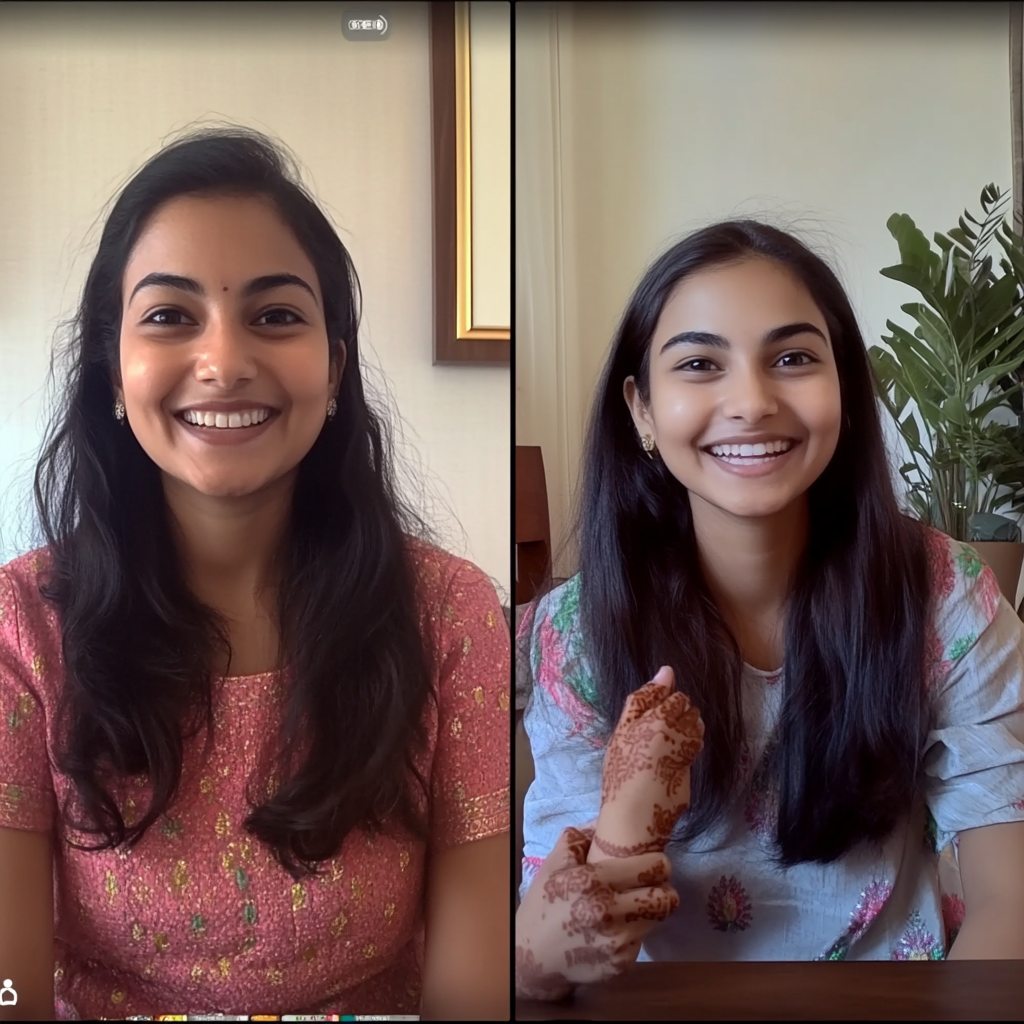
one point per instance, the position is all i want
(139, 647)
(853, 721)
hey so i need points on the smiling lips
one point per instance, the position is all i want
(752, 459)
(747, 454)
(226, 421)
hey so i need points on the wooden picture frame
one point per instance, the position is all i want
(457, 340)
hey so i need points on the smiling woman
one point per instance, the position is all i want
(770, 703)
(227, 554)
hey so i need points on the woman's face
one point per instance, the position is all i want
(222, 306)
(741, 356)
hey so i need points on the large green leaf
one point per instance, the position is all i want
(941, 371)
(982, 409)
(921, 281)
(954, 408)
(914, 247)
(991, 374)
(936, 334)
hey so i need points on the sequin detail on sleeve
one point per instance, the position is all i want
(917, 943)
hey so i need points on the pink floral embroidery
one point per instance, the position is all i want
(871, 901)
(917, 943)
(940, 562)
(1018, 805)
(988, 593)
(936, 667)
(531, 865)
(729, 906)
(952, 916)
(552, 657)
(870, 904)
(773, 678)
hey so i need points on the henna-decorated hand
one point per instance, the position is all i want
(580, 922)
(646, 780)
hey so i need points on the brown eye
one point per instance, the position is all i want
(296, 319)
(698, 365)
(806, 360)
(153, 318)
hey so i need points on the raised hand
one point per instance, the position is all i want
(581, 922)
(646, 781)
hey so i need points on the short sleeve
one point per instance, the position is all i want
(974, 756)
(567, 738)
(472, 761)
(26, 784)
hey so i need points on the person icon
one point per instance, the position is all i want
(8, 997)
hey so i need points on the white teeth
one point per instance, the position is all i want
(754, 451)
(226, 421)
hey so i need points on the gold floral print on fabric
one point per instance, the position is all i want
(23, 710)
(199, 906)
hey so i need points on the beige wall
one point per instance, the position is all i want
(636, 126)
(87, 93)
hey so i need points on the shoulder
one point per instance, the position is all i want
(446, 581)
(966, 600)
(30, 636)
(960, 581)
(25, 569)
(19, 583)
(557, 650)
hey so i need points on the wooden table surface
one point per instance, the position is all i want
(944, 990)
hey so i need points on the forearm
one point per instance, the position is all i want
(624, 830)
(993, 931)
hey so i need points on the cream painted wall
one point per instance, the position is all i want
(642, 123)
(87, 94)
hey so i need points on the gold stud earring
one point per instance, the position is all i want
(648, 445)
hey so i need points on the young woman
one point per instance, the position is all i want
(244, 708)
(857, 682)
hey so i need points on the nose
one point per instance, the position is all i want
(749, 396)
(225, 355)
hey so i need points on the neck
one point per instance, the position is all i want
(228, 546)
(749, 562)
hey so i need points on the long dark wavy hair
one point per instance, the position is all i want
(139, 647)
(847, 761)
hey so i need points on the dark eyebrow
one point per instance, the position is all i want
(183, 284)
(773, 337)
(190, 284)
(269, 281)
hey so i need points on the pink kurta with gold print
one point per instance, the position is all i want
(199, 917)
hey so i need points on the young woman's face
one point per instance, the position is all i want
(741, 356)
(221, 305)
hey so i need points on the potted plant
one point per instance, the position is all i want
(953, 384)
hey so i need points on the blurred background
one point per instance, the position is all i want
(90, 91)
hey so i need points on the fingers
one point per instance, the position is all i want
(665, 677)
(650, 695)
(625, 873)
(652, 905)
(569, 851)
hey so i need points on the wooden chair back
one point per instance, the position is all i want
(533, 526)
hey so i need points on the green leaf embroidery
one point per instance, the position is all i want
(962, 646)
(969, 563)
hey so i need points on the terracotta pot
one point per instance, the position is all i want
(1004, 558)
